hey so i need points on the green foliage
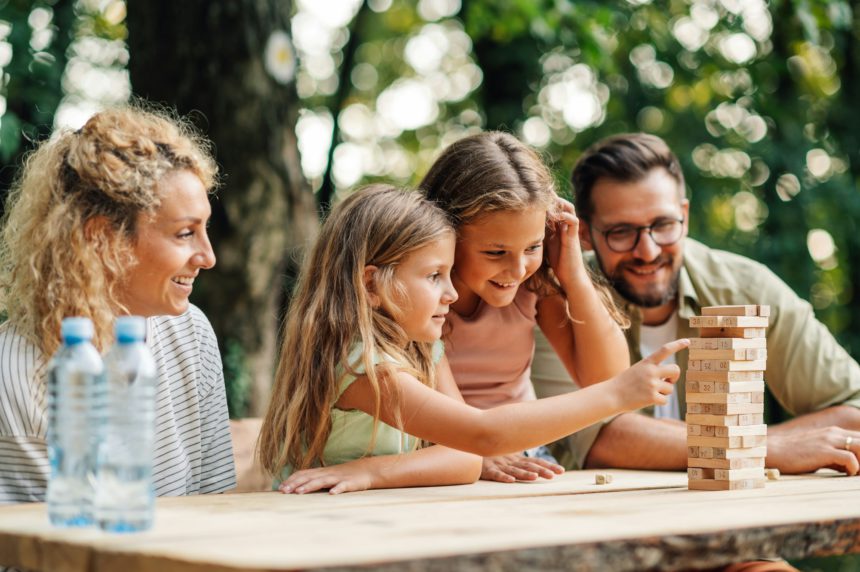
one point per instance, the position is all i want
(236, 378)
(38, 35)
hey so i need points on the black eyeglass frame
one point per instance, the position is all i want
(639, 229)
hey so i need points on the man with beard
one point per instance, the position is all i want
(630, 198)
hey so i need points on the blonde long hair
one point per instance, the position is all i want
(493, 172)
(51, 264)
(330, 313)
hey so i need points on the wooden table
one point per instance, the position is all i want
(643, 520)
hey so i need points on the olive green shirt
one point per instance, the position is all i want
(807, 370)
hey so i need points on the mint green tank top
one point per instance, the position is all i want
(352, 430)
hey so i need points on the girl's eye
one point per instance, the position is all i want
(494, 252)
(185, 234)
(435, 277)
(534, 248)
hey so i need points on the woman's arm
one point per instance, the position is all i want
(591, 346)
(512, 428)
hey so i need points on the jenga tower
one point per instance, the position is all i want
(726, 434)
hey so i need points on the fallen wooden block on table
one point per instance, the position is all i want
(602, 479)
(772, 474)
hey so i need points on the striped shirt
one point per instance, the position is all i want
(193, 451)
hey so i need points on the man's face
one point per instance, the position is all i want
(648, 274)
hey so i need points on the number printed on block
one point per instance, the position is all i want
(726, 365)
(738, 354)
(729, 376)
(742, 463)
(728, 322)
(732, 332)
(740, 430)
(727, 343)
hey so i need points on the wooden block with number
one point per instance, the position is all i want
(741, 441)
(739, 387)
(726, 365)
(725, 408)
(743, 463)
(740, 430)
(701, 430)
(715, 485)
(697, 473)
(728, 322)
(739, 474)
(741, 310)
(727, 343)
(732, 332)
(725, 398)
(752, 387)
(699, 452)
(724, 420)
(737, 354)
(726, 376)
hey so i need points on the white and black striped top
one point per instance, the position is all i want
(193, 451)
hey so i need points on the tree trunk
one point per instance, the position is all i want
(207, 59)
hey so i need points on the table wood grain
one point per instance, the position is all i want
(641, 521)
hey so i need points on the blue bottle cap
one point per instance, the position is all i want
(130, 329)
(76, 329)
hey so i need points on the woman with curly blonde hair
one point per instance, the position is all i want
(106, 221)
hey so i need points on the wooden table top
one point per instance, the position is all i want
(642, 520)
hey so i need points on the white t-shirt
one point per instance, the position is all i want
(193, 451)
(650, 340)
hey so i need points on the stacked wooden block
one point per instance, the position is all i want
(726, 434)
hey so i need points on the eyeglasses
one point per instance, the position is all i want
(624, 238)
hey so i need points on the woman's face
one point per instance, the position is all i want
(171, 247)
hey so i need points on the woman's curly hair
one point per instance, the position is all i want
(53, 262)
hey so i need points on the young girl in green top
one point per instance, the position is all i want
(356, 403)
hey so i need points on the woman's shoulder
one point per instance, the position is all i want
(191, 324)
(18, 353)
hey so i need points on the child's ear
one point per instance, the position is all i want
(370, 285)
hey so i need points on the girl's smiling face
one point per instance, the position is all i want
(425, 278)
(495, 255)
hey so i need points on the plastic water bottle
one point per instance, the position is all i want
(75, 376)
(124, 492)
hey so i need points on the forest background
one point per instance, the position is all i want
(306, 100)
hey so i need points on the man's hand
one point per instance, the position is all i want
(510, 468)
(805, 452)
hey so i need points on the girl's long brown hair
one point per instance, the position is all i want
(330, 314)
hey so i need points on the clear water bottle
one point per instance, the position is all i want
(75, 377)
(124, 491)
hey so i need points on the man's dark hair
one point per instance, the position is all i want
(628, 157)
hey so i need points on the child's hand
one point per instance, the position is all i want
(345, 478)
(510, 468)
(562, 244)
(649, 382)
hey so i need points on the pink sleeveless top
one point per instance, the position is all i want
(491, 351)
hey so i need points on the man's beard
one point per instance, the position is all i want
(650, 299)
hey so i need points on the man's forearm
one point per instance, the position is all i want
(633, 441)
(843, 416)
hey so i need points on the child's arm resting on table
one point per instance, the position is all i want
(431, 466)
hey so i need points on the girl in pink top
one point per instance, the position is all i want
(517, 264)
